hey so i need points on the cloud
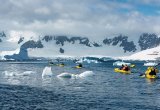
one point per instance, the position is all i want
(91, 18)
(43, 10)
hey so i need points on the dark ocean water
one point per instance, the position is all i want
(22, 87)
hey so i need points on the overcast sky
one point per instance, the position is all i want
(89, 18)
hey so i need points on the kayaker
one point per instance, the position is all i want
(121, 67)
(126, 68)
(80, 65)
(50, 63)
(62, 64)
(152, 71)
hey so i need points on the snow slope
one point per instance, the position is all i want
(149, 54)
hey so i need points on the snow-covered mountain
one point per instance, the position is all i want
(46, 46)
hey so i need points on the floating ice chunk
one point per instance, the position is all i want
(9, 74)
(70, 75)
(26, 73)
(150, 64)
(47, 71)
(119, 63)
(86, 74)
(66, 75)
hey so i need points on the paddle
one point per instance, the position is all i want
(132, 65)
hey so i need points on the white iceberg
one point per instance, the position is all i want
(120, 63)
(47, 72)
(150, 64)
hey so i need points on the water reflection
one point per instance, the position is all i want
(150, 81)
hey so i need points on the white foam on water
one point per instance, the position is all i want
(47, 71)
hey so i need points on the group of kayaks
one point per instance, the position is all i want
(150, 73)
(53, 64)
(79, 66)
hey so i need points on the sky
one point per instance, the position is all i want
(89, 18)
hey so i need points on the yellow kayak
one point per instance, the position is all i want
(61, 65)
(151, 76)
(121, 71)
(78, 67)
(51, 64)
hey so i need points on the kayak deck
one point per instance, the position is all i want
(121, 71)
(151, 76)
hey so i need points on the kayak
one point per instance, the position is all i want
(61, 65)
(78, 67)
(52, 64)
(121, 71)
(151, 76)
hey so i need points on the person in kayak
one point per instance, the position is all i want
(121, 67)
(62, 64)
(126, 68)
(152, 71)
(80, 65)
(50, 63)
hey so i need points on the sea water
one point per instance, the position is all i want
(37, 86)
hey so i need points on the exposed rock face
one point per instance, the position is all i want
(96, 45)
(2, 35)
(32, 44)
(62, 39)
(47, 38)
(121, 41)
(20, 40)
(147, 41)
(61, 50)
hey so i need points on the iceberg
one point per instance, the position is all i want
(119, 63)
(150, 64)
